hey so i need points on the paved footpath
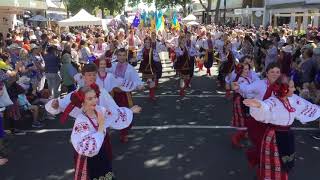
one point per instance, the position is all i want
(174, 138)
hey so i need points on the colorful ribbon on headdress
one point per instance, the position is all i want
(77, 98)
(280, 90)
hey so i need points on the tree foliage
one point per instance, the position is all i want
(113, 6)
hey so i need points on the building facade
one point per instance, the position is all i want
(9, 9)
(296, 13)
(239, 11)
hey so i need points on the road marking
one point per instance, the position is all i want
(168, 127)
(174, 95)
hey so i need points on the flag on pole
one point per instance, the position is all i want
(143, 18)
(136, 20)
(175, 23)
(152, 17)
(159, 21)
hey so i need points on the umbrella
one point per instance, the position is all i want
(38, 18)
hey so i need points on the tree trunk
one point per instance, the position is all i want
(102, 12)
(184, 10)
(217, 13)
(209, 12)
(224, 12)
(207, 18)
(111, 12)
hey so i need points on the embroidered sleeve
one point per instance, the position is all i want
(140, 55)
(85, 141)
(135, 77)
(306, 111)
(231, 77)
(178, 51)
(63, 103)
(255, 76)
(118, 117)
(264, 113)
(249, 88)
(127, 85)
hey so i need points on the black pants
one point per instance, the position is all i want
(192, 59)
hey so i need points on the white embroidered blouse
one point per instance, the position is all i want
(273, 111)
(85, 137)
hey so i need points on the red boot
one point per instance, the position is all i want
(156, 83)
(201, 66)
(208, 72)
(187, 83)
(228, 93)
(253, 157)
(182, 93)
(124, 136)
(235, 140)
(152, 94)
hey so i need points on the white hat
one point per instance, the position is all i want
(37, 28)
(34, 46)
(287, 49)
(121, 30)
(14, 46)
(24, 82)
(218, 35)
(316, 51)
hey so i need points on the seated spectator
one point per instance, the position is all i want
(67, 70)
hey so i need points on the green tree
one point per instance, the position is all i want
(74, 6)
(207, 9)
(170, 3)
(217, 12)
(113, 6)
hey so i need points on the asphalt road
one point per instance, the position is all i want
(173, 138)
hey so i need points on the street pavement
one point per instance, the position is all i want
(173, 138)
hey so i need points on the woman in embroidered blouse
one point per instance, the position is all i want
(93, 158)
(243, 76)
(278, 113)
(260, 89)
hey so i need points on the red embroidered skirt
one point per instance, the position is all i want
(239, 114)
(270, 166)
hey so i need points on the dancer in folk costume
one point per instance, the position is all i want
(133, 45)
(106, 80)
(122, 69)
(148, 68)
(240, 112)
(89, 137)
(172, 43)
(286, 59)
(100, 47)
(209, 53)
(232, 76)
(183, 63)
(228, 61)
(277, 151)
(158, 47)
(260, 89)
(110, 55)
(89, 72)
(200, 44)
(122, 42)
(191, 46)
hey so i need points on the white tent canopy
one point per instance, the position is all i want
(50, 4)
(190, 17)
(192, 23)
(82, 18)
